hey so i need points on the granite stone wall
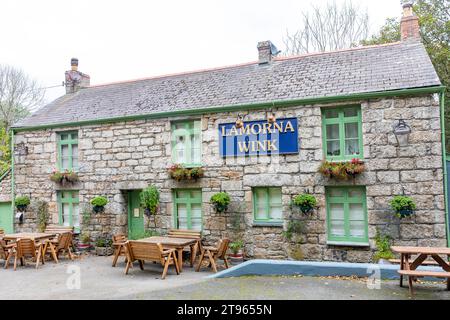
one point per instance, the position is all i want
(130, 155)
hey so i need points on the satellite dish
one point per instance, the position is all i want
(273, 50)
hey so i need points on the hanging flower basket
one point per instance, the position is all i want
(342, 170)
(403, 206)
(305, 202)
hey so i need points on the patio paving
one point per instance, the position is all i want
(98, 280)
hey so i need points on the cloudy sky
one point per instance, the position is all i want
(120, 40)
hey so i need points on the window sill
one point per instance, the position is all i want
(348, 244)
(278, 224)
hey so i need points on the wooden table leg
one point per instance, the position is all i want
(402, 267)
(53, 252)
(180, 259)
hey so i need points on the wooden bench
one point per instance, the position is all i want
(425, 263)
(57, 229)
(421, 273)
(189, 234)
(144, 251)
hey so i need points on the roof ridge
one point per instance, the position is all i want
(168, 75)
(337, 51)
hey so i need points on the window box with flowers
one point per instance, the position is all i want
(178, 172)
(342, 170)
(64, 177)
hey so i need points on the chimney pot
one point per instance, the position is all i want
(74, 64)
(409, 24)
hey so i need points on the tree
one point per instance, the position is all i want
(19, 95)
(328, 28)
(434, 20)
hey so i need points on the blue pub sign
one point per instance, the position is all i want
(259, 138)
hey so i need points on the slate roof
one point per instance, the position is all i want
(394, 66)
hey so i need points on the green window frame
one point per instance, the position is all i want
(342, 133)
(347, 215)
(186, 143)
(188, 213)
(68, 209)
(68, 151)
(267, 205)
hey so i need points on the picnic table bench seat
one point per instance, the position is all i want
(425, 273)
(189, 234)
(425, 263)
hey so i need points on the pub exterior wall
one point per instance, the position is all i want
(130, 155)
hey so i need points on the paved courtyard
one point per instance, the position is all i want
(98, 280)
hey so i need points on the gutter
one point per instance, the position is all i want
(241, 107)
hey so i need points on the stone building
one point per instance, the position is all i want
(260, 131)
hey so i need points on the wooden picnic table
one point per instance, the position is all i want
(172, 243)
(36, 236)
(409, 268)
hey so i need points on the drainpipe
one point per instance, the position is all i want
(12, 177)
(444, 161)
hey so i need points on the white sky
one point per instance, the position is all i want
(120, 40)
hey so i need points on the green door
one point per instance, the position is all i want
(135, 215)
(6, 217)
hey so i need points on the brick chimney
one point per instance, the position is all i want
(76, 80)
(266, 50)
(409, 24)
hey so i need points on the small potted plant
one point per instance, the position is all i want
(84, 244)
(236, 256)
(384, 252)
(98, 204)
(103, 247)
(403, 206)
(220, 201)
(306, 202)
(22, 203)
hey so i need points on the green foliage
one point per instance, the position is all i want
(434, 20)
(221, 200)
(22, 201)
(43, 214)
(99, 201)
(235, 246)
(293, 227)
(5, 151)
(85, 238)
(383, 244)
(103, 243)
(149, 198)
(64, 176)
(306, 202)
(403, 206)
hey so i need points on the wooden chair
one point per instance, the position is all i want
(214, 253)
(25, 248)
(63, 244)
(57, 229)
(189, 234)
(5, 249)
(119, 245)
(142, 251)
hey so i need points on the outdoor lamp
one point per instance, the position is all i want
(402, 131)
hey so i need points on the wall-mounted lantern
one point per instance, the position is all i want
(401, 132)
